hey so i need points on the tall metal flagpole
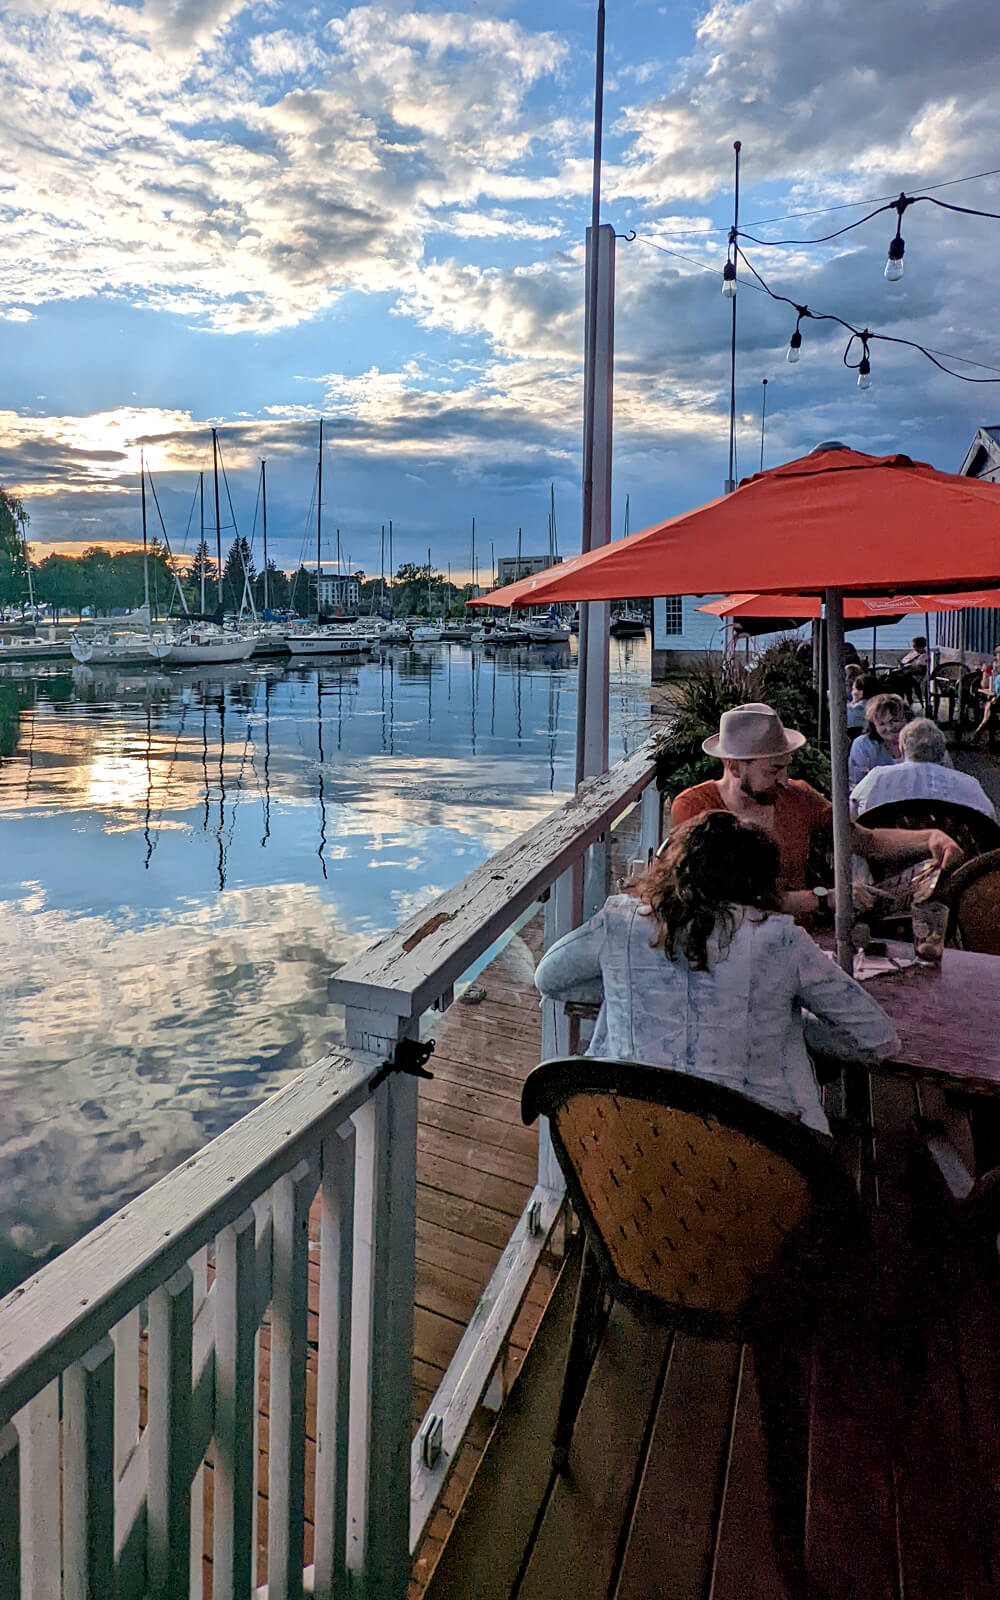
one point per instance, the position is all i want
(763, 412)
(731, 480)
(593, 287)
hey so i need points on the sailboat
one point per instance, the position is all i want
(320, 641)
(628, 623)
(430, 631)
(126, 649)
(205, 643)
(550, 627)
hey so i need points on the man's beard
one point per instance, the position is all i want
(762, 797)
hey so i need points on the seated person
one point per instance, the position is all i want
(886, 715)
(702, 973)
(922, 775)
(856, 699)
(916, 657)
(989, 688)
(755, 749)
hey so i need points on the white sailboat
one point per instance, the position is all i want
(128, 648)
(428, 632)
(205, 643)
(318, 640)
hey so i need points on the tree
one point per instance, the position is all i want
(237, 572)
(201, 563)
(59, 582)
(13, 565)
(278, 589)
(98, 579)
(303, 593)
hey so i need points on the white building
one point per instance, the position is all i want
(512, 568)
(339, 591)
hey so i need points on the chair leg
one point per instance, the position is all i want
(588, 1324)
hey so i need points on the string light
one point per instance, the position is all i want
(894, 261)
(729, 280)
(795, 342)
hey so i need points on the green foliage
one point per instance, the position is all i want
(781, 677)
(237, 573)
(13, 567)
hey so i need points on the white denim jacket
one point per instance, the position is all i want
(743, 1023)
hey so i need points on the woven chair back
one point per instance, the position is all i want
(975, 904)
(699, 1204)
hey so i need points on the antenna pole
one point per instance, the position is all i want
(731, 480)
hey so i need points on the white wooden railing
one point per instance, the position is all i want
(204, 1281)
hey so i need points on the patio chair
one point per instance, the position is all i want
(973, 830)
(702, 1209)
(973, 895)
(956, 685)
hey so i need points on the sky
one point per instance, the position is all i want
(251, 215)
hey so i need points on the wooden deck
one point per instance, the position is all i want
(668, 1492)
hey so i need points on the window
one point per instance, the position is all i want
(673, 613)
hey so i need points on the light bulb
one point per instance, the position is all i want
(864, 373)
(794, 346)
(729, 279)
(894, 260)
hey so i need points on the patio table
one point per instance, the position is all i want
(947, 1018)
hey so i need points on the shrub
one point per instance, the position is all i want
(781, 677)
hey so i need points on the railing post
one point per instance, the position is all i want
(10, 1514)
(333, 1383)
(378, 1485)
(562, 915)
(168, 1514)
(41, 1553)
(233, 1553)
(287, 1419)
(650, 820)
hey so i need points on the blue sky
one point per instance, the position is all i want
(249, 215)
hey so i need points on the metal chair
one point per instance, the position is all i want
(699, 1207)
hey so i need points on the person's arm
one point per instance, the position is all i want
(904, 844)
(573, 960)
(857, 760)
(845, 1020)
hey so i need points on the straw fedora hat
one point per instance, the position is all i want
(749, 732)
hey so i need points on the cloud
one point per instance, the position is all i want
(17, 314)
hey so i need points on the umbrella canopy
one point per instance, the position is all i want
(833, 519)
(870, 608)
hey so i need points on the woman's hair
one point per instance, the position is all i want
(883, 702)
(922, 740)
(707, 866)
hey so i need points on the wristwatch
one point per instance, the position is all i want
(823, 897)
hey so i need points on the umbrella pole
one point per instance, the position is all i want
(834, 602)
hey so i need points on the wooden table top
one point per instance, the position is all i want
(947, 1017)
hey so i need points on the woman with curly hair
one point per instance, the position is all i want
(703, 974)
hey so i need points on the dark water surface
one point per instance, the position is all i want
(186, 858)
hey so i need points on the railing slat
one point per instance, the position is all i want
(88, 1475)
(168, 1514)
(10, 1515)
(235, 1293)
(125, 1337)
(287, 1412)
(199, 1271)
(336, 1266)
(41, 1553)
(382, 1343)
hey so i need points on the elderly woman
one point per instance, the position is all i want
(886, 715)
(701, 973)
(925, 773)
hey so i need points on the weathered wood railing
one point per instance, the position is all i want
(205, 1280)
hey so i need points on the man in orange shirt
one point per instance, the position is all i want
(755, 749)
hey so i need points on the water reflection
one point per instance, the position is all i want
(190, 855)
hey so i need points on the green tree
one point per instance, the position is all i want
(237, 571)
(279, 589)
(201, 562)
(59, 582)
(303, 593)
(13, 566)
(98, 579)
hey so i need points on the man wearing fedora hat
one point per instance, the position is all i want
(755, 749)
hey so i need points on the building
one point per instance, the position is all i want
(976, 631)
(340, 591)
(512, 568)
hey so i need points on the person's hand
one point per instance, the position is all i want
(943, 850)
(862, 897)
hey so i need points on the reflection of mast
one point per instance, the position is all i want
(149, 783)
(553, 720)
(222, 786)
(267, 762)
(204, 757)
(322, 796)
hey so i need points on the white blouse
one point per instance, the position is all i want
(744, 1023)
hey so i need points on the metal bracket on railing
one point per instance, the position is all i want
(409, 1057)
(431, 1439)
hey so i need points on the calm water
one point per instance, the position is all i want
(188, 856)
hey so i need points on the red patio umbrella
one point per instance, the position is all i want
(866, 607)
(833, 521)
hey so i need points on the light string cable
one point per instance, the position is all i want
(878, 200)
(865, 336)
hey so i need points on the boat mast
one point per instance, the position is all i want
(263, 496)
(27, 559)
(392, 608)
(203, 549)
(475, 575)
(218, 523)
(145, 555)
(319, 518)
(430, 609)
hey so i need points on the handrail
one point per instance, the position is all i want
(56, 1316)
(406, 972)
